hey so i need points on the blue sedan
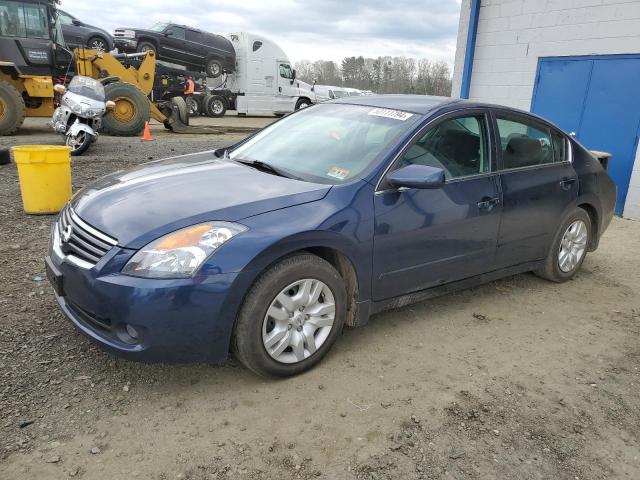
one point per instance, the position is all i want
(339, 211)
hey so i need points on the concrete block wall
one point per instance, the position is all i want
(513, 34)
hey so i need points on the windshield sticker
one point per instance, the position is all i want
(339, 173)
(387, 113)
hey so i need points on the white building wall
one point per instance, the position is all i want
(513, 34)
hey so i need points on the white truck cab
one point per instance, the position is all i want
(264, 80)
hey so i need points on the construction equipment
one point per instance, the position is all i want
(32, 57)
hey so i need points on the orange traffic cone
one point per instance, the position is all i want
(146, 135)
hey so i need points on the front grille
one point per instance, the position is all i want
(80, 239)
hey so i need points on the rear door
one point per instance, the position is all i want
(538, 184)
(425, 238)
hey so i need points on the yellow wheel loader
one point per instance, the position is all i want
(33, 56)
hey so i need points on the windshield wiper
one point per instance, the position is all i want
(266, 167)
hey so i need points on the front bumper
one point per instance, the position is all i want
(177, 321)
(127, 45)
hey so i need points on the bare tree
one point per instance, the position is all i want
(381, 74)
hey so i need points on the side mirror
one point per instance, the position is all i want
(110, 105)
(332, 95)
(76, 22)
(293, 74)
(417, 176)
(59, 89)
(168, 33)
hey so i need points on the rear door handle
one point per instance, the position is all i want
(487, 203)
(566, 183)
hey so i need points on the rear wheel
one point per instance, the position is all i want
(98, 43)
(569, 248)
(214, 68)
(131, 112)
(215, 105)
(12, 108)
(194, 105)
(290, 317)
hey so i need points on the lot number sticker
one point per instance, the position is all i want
(387, 113)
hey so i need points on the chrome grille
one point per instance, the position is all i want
(81, 240)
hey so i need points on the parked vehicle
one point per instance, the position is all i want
(79, 34)
(180, 44)
(264, 81)
(353, 92)
(79, 116)
(332, 214)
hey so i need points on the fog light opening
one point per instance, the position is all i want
(132, 332)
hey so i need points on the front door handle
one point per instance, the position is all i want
(487, 203)
(566, 183)
(280, 89)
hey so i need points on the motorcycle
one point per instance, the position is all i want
(79, 116)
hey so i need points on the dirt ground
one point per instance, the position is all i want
(519, 378)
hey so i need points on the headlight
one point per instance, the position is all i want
(179, 254)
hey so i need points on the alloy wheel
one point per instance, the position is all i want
(98, 45)
(573, 246)
(298, 321)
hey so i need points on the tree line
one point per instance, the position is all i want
(380, 75)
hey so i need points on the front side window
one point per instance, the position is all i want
(524, 143)
(327, 143)
(285, 71)
(458, 146)
(176, 32)
(64, 18)
(19, 19)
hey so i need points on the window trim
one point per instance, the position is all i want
(490, 147)
(516, 117)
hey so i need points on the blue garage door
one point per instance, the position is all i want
(598, 98)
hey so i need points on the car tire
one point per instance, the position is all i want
(131, 112)
(98, 43)
(254, 326)
(12, 108)
(215, 105)
(569, 248)
(147, 46)
(214, 68)
(183, 109)
(303, 103)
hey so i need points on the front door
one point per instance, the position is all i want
(538, 186)
(286, 91)
(425, 238)
(174, 46)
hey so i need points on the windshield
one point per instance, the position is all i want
(340, 93)
(87, 87)
(327, 143)
(159, 27)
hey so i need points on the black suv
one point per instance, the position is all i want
(213, 54)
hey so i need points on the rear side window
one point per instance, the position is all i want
(458, 146)
(176, 32)
(524, 143)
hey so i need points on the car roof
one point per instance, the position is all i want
(421, 104)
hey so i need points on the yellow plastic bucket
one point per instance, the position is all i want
(45, 177)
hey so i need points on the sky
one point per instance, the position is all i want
(305, 29)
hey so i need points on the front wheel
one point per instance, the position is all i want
(569, 248)
(98, 43)
(79, 143)
(290, 317)
(302, 103)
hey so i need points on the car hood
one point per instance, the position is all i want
(139, 205)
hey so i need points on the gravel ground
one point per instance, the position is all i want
(519, 378)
